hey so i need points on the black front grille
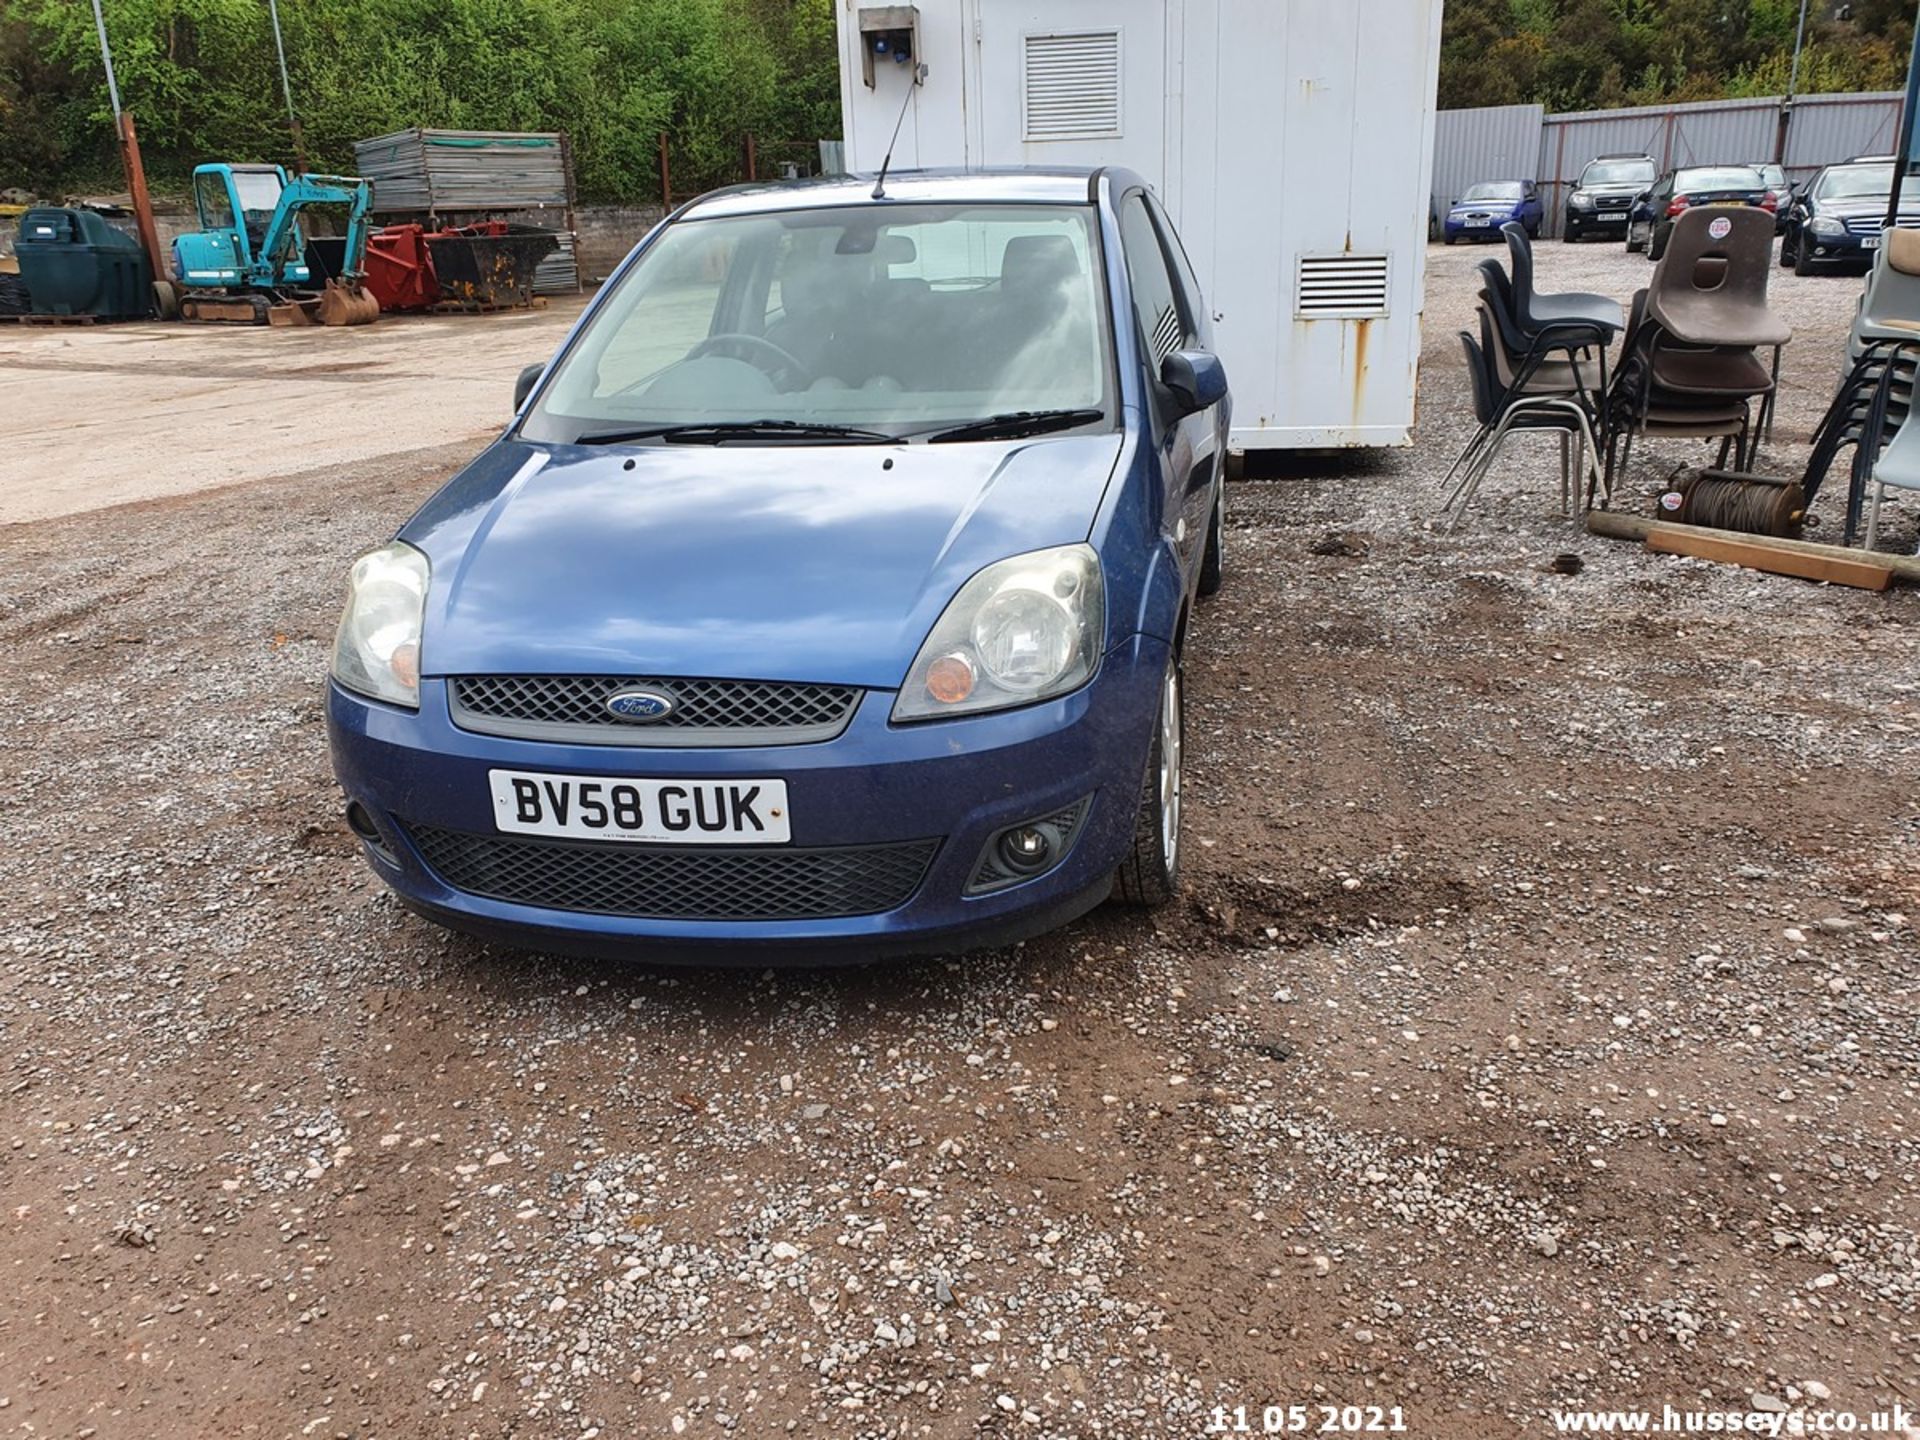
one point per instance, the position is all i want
(705, 712)
(678, 884)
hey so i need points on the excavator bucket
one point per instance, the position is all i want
(346, 304)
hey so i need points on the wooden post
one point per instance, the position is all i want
(142, 201)
(666, 176)
(750, 157)
(1618, 526)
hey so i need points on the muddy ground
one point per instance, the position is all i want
(1538, 1028)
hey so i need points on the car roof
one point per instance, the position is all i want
(1059, 185)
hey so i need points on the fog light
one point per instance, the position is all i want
(361, 823)
(1020, 852)
(1025, 849)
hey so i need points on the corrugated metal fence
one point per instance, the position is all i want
(1485, 143)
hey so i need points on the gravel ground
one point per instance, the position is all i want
(1538, 1027)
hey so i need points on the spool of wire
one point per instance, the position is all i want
(1724, 500)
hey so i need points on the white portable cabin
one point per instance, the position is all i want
(1291, 141)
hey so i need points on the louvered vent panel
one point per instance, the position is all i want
(1073, 85)
(1342, 285)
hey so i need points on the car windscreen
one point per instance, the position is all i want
(892, 318)
(1863, 182)
(1718, 177)
(1618, 172)
(1493, 190)
(1774, 175)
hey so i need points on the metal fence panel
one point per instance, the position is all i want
(1488, 142)
(1827, 128)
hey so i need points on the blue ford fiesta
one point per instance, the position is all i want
(825, 597)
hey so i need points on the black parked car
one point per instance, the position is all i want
(1679, 191)
(1835, 220)
(1600, 199)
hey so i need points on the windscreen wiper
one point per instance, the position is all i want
(1015, 424)
(714, 432)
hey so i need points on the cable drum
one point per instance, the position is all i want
(1725, 500)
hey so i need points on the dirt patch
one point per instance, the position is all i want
(1538, 1026)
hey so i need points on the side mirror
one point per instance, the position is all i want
(1195, 378)
(523, 386)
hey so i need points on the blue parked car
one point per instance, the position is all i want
(1479, 214)
(826, 596)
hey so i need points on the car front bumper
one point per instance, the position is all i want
(1598, 221)
(1846, 246)
(945, 786)
(1488, 229)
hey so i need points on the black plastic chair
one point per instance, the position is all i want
(1569, 308)
(1501, 411)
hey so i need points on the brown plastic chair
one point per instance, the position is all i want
(1710, 288)
(1640, 405)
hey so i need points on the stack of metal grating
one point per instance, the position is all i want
(458, 176)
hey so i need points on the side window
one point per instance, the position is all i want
(1154, 304)
(210, 195)
(1192, 303)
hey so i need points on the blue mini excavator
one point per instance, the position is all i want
(247, 262)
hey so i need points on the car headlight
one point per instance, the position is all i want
(1022, 630)
(1826, 225)
(1580, 198)
(377, 650)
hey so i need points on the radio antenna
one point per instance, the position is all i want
(880, 185)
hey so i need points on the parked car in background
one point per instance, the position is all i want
(1780, 188)
(826, 595)
(1688, 188)
(1479, 214)
(1603, 196)
(1834, 221)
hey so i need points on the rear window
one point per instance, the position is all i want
(1719, 177)
(1619, 172)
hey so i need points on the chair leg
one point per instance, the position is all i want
(1470, 483)
(1588, 464)
(1566, 473)
(1873, 511)
(1479, 438)
(1726, 443)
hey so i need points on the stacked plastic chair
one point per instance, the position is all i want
(1539, 363)
(1874, 399)
(1691, 365)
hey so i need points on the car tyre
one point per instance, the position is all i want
(1150, 874)
(1802, 262)
(1533, 231)
(1213, 559)
(1657, 242)
(1570, 236)
(1451, 238)
(1786, 251)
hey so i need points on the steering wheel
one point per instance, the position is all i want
(761, 349)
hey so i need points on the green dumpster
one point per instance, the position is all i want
(74, 263)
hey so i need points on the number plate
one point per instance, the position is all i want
(1476, 222)
(677, 812)
(1871, 242)
(1612, 215)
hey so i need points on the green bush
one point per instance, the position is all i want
(201, 79)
